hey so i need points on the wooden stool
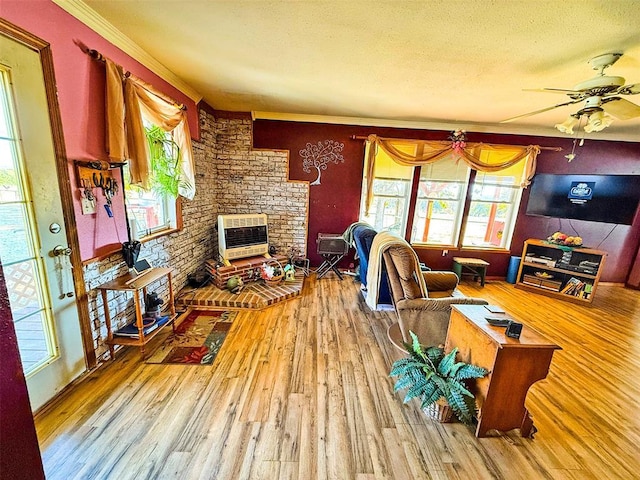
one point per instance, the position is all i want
(473, 266)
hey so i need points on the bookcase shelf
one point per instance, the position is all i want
(568, 273)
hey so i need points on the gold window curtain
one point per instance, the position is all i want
(432, 151)
(115, 133)
(140, 100)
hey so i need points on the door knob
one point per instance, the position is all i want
(60, 250)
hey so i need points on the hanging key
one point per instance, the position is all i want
(88, 193)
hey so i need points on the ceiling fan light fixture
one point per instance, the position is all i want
(598, 121)
(568, 124)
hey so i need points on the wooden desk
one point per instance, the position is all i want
(131, 283)
(514, 365)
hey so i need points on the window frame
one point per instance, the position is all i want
(175, 223)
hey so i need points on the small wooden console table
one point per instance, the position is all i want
(514, 365)
(131, 283)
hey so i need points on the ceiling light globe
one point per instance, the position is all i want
(567, 125)
(598, 121)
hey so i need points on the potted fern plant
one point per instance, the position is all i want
(437, 380)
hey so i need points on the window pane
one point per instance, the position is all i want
(22, 286)
(149, 212)
(433, 189)
(391, 190)
(14, 241)
(493, 192)
(388, 210)
(494, 206)
(10, 190)
(441, 194)
(154, 210)
(490, 224)
(29, 314)
(5, 120)
(33, 342)
(435, 222)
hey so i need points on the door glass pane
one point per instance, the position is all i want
(9, 178)
(5, 131)
(29, 314)
(34, 345)
(21, 264)
(14, 244)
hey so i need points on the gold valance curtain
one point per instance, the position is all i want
(129, 100)
(432, 151)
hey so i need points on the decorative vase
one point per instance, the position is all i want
(439, 410)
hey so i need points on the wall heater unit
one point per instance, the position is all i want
(241, 236)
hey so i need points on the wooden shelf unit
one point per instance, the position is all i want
(559, 274)
(131, 283)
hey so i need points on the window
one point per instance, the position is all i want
(441, 196)
(153, 211)
(495, 198)
(391, 192)
(440, 202)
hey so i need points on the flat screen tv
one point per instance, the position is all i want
(595, 198)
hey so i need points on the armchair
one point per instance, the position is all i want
(422, 300)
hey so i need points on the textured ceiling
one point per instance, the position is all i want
(443, 62)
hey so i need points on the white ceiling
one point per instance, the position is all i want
(447, 63)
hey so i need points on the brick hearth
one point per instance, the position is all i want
(244, 268)
(255, 295)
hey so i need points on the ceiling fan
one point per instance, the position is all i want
(600, 96)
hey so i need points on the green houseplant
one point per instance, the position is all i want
(165, 159)
(431, 376)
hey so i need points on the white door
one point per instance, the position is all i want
(40, 285)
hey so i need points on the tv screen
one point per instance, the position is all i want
(596, 198)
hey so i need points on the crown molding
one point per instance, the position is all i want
(88, 16)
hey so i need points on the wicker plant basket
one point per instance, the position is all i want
(275, 281)
(440, 411)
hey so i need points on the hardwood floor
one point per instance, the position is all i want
(301, 391)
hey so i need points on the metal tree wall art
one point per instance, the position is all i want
(320, 155)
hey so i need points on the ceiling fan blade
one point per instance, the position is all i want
(621, 108)
(633, 89)
(539, 111)
(551, 90)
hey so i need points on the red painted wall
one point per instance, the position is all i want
(80, 82)
(19, 450)
(334, 204)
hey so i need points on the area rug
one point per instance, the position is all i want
(196, 341)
